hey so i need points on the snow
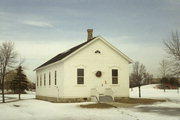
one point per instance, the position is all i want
(32, 109)
(14, 97)
(150, 91)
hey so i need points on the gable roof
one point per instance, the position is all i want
(117, 50)
(69, 52)
(64, 54)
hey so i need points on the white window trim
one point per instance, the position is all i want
(80, 67)
(117, 76)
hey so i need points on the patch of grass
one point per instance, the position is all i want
(139, 100)
(97, 105)
(123, 102)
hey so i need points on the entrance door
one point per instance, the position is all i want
(101, 87)
(98, 85)
(99, 82)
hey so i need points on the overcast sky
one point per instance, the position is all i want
(42, 29)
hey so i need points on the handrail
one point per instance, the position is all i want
(94, 93)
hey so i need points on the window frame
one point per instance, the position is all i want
(80, 76)
(37, 83)
(49, 78)
(44, 79)
(97, 52)
(55, 77)
(40, 80)
(114, 76)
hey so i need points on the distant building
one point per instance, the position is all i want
(92, 69)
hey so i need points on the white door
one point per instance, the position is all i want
(101, 87)
(99, 82)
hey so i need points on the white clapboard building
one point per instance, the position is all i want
(89, 71)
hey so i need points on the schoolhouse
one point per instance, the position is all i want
(89, 71)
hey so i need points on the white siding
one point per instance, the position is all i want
(92, 62)
(50, 90)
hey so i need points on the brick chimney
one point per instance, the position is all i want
(90, 34)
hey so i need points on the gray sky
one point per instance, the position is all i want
(42, 29)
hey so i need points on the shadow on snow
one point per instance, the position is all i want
(160, 110)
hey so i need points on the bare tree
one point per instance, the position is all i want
(138, 75)
(10, 75)
(7, 59)
(173, 46)
(148, 78)
(175, 67)
(1, 70)
(173, 49)
(164, 68)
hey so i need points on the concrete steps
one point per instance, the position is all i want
(105, 98)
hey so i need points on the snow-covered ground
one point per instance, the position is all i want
(14, 97)
(164, 110)
(150, 91)
(32, 109)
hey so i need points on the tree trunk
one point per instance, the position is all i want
(19, 96)
(19, 91)
(3, 98)
(139, 90)
(164, 88)
(3, 76)
(178, 89)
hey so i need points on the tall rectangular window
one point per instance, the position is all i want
(44, 79)
(114, 76)
(49, 78)
(55, 77)
(80, 76)
(40, 80)
(37, 81)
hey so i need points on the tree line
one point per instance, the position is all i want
(11, 75)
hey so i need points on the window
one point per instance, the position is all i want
(37, 81)
(44, 79)
(49, 78)
(41, 80)
(55, 77)
(80, 76)
(114, 76)
(97, 51)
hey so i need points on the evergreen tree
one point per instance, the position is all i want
(20, 83)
